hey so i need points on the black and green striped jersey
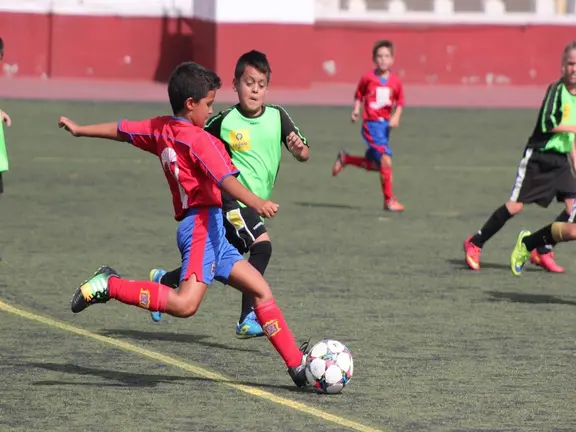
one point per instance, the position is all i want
(558, 107)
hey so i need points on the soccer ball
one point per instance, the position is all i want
(329, 366)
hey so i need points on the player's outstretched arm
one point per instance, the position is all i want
(264, 208)
(102, 130)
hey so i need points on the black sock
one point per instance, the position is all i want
(547, 248)
(540, 238)
(260, 254)
(172, 278)
(494, 223)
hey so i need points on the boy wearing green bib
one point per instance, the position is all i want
(5, 120)
(545, 171)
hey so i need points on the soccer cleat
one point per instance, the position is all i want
(156, 276)
(393, 205)
(249, 327)
(546, 261)
(93, 290)
(519, 254)
(298, 373)
(339, 164)
(472, 254)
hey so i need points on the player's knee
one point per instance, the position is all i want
(570, 231)
(386, 161)
(514, 207)
(188, 309)
(263, 249)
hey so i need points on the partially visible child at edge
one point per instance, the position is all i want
(5, 120)
(197, 167)
(381, 96)
(3, 115)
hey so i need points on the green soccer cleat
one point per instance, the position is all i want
(93, 290)
(520, 254)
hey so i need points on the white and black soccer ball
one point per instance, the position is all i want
(329, 366)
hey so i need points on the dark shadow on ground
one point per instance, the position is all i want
(527, 298)
(171, 337)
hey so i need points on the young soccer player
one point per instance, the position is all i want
(381, 95)
(559, 231)
(196, 166)
(545, 170)
(5, 119)
(253, 134)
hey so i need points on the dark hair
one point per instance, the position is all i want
(190, 80)
(257, 60)
(567, 50)
(1, 48)
(382, 44)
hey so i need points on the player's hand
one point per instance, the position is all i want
(267, 209)
(69, 125)
(295, 143)
(394, 122)
(6, 119)
(354, 116)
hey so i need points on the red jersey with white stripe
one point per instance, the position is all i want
(195, 163)
(379, 95)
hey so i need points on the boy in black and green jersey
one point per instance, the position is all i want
(564, 124)
(254, 134)
(545, 172)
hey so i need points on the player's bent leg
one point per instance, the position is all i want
(391, 203)
(170, 279)
(247, 279)
(552, 234)
(473, 244)
(260, 254)
(543, 256)
(106, 284)
(185, 301)
(156, 276)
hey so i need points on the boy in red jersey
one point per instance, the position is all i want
(381, 96)
(197, 168)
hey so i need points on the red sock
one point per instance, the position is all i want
(386, 179)
(359, 161)
(144, 294)
(270, 317)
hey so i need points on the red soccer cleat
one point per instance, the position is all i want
(339, 164)
(546, 261)
(472, 254)
(393, 206)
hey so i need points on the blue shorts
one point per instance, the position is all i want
(376, 134)
(203, 246)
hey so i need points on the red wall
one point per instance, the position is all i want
(148, 48)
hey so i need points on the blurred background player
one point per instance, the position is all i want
(545, 171)
(381, 96)
(253, 134)
(196, 166)
(5, 120)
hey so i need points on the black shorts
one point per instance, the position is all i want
(543, 176)
(243, 226)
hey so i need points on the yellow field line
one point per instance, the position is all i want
(196, 370)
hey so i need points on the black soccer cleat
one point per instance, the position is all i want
(93, 290)
(298, 373)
